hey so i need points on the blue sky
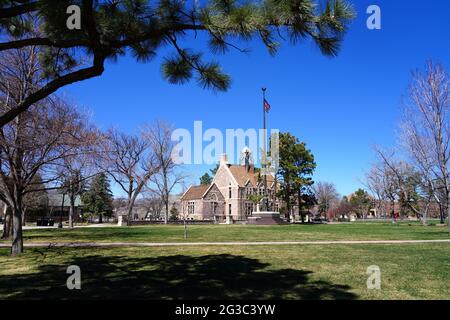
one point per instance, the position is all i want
(339, 106)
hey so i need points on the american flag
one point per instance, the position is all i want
(266, 105)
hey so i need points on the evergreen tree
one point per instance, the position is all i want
(361, 202)
(109, 29)
(98, 199)
(174, 214)
(295, 170)
(206, 179)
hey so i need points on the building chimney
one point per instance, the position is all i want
(223, 159)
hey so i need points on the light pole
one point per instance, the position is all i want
(266, 205)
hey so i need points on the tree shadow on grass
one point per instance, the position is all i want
(221, 276)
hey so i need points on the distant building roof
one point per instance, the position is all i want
(55, 199)
(195, 192)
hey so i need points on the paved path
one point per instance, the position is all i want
(180, 244)
(95, 225)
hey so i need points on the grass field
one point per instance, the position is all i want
(287, 272)
(219, 233)
(408, 271)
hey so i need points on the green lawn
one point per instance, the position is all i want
(409, 271)
(171, 233)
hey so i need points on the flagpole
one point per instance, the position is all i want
(264, 150)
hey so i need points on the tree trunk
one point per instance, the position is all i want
(7, 223)
(17, 240)
(100, 218)
(424, 216)
(71, 210)
(441, 213)
(166, 196)
(132, 198)
(300, 212)
(288, 202)
(185, 229)
(23, 217)
(166, 217)
(129, 214)
(448, 210)
(393, 211)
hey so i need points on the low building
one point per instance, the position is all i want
(53, 205)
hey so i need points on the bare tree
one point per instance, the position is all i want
(326, 195)
(426, 130)
(402, 183)
(131, 162)
(376, 181)
(168, 176)
(80, 166)
(36, 141)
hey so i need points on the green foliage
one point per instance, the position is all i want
(206, 179)
(255, 198)
(295, 168)
(142, 27)
(98, 199)
(173, 214)
(361, 202)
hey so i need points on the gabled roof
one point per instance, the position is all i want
(244, 176)
(195, 192)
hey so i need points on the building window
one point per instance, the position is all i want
(229, 209)
(191, 207)
(229, 192)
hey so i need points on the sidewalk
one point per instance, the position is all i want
(97, 225)
(181, 244)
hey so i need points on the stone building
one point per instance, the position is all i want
(227, 198)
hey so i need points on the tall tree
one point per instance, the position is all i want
(35, 142)
(426, 130)
(108, 29)
(168, 176)
(296, 166)
(98, 200)
(131, 162)
(77, 168)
